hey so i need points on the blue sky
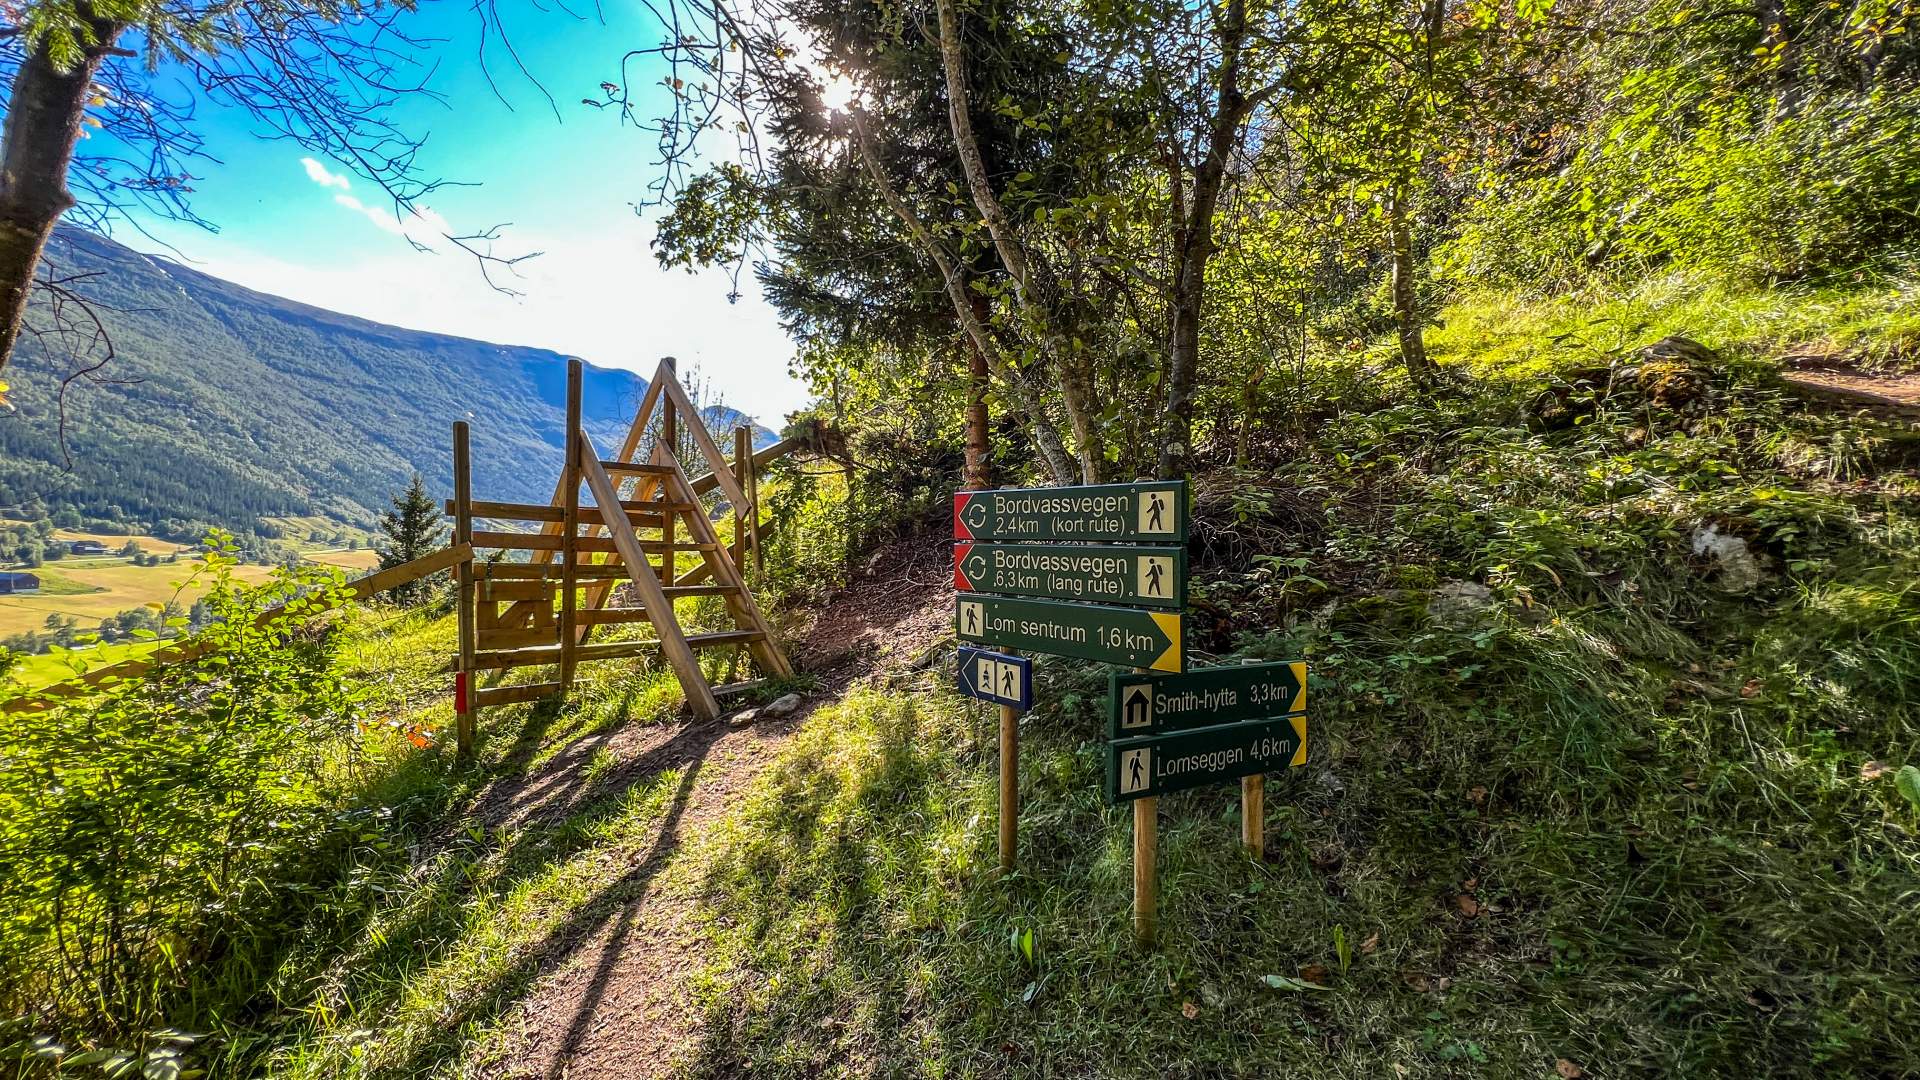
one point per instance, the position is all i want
(309, 231)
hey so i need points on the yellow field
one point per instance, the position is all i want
(118, 585)
(152, 545)
(362, 559)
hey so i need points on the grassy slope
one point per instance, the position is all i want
(1620, 818)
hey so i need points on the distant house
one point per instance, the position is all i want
(12, 581)
(87, 547)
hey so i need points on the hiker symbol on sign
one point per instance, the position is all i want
(1156, 512)
(1136, 769)
(1156, 573)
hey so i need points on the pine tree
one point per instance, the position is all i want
(413, 530)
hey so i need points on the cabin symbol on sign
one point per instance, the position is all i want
(1155, 576)
(1156, 512)
(1136, 770)
(1136, 706)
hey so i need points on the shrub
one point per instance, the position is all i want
(151, 830)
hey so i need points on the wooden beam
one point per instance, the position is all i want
(506, 695)
(465, 704)
(673, 644)
(570, 529)
(746, 612)
(554, 542)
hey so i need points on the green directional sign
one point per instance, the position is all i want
(1117, 635)
(1153, 512)
(1177, 760)
(1149, 704)
(1107, 574)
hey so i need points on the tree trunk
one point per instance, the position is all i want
(979, 471)
(1075, 388)
(1195, 246)
(44, 114)
(1406, 306)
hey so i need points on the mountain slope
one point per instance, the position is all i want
(226, 405)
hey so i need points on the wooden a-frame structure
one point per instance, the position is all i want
(581, 552)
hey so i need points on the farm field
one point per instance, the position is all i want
(97, 588)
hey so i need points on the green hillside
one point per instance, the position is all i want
(225, 405)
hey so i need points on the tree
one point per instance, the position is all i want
(413, 530)
(324, 75)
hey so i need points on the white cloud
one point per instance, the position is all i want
(318, 172)
(422, 224)
(600, 297)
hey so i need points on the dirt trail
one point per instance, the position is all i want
(617, 1003)
(1834, 379)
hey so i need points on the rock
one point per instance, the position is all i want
(1675, 371)
(1738, 566)
(930, 657)
(743, 718)
(1458, 602)
(784, 705)
(1682, 350)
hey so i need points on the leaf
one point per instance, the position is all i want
(1907, 782)
(1372, 943)
(1468, 905)
(1190, 1011)
(1874, 770)
(1028, 995)
(1316, 974)
(1568, 1070)
(1282, 982)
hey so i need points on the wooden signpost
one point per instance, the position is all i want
(997, 677)
(1153, 577)
(1157, 764)
(1105, 513)
(1116, 596)
(1117, 635)
(1151, 704)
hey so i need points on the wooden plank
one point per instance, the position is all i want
(608, 616)
(725, 637)
(716, 462)
(746, 612)
(550, 654)
(647, 515)
(466, 707)
(673, 644)
(666, 450)
(742, 450)
(633, 467)
(772, 452)
(494, 640)
(696, 575)
(752, 486)
(553, 542)
(698, 590)
(510, 591)
(516, 571)
(506, 695)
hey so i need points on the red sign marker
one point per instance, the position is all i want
(960, 580)
(960, 530)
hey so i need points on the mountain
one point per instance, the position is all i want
(226, 405)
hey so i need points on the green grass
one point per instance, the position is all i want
(1874, 319)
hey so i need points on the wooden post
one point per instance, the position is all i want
(463, 688)
(1009, 786)
(752, 488)
(1146, 879)
(1253, 815)
(570, 531)
(670, 438)
(742, 463)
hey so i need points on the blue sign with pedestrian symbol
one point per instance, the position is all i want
(996, 677)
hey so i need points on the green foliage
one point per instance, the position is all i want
(151, 828)
(413, 529)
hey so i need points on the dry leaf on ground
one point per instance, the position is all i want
(1568, 1070)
